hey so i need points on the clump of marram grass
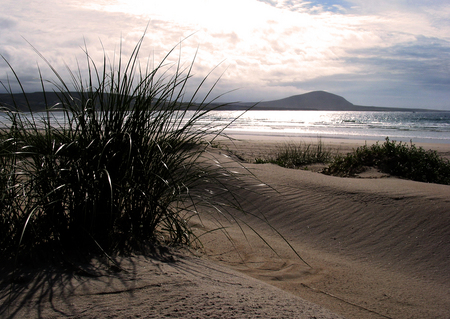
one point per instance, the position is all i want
(398, 159)
(292, 155)
(118, 173)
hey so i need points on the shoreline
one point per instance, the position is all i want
(256, 135)
(251, 146)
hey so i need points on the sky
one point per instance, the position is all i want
(392, 53)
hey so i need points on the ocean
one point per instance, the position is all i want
(425, 127)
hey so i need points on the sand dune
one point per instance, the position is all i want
(373, 247)
(377, 247)
(181, 286)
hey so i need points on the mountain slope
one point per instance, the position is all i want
(317, 100)
(312, 101)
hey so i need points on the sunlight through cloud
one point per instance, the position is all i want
(269, 48)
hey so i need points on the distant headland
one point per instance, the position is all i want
(312, 101)
(316, 101)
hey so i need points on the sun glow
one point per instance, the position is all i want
(287, 47)
(268, 43)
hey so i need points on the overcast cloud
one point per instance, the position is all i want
(385, 53)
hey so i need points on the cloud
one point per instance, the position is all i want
(312, 6)
(6, 23)
(425, 61)
(270, 2)
(60, 30)
(269, 48)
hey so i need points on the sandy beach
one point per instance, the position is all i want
(375, 246)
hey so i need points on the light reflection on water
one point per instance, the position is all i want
(401, 126)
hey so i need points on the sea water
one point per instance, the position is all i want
(431, 127)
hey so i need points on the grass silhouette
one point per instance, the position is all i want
(118, 172)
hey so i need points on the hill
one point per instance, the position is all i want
(36, 100)
(312, 101)
(318, 100)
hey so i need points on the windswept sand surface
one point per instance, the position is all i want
(373, 248)
(181, 286)
(377, 247)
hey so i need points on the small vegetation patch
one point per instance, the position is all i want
(394, 158)
(299, 155)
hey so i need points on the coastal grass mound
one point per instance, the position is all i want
(299, 155)
(394, 158)
(118, 173)
(391, 157)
